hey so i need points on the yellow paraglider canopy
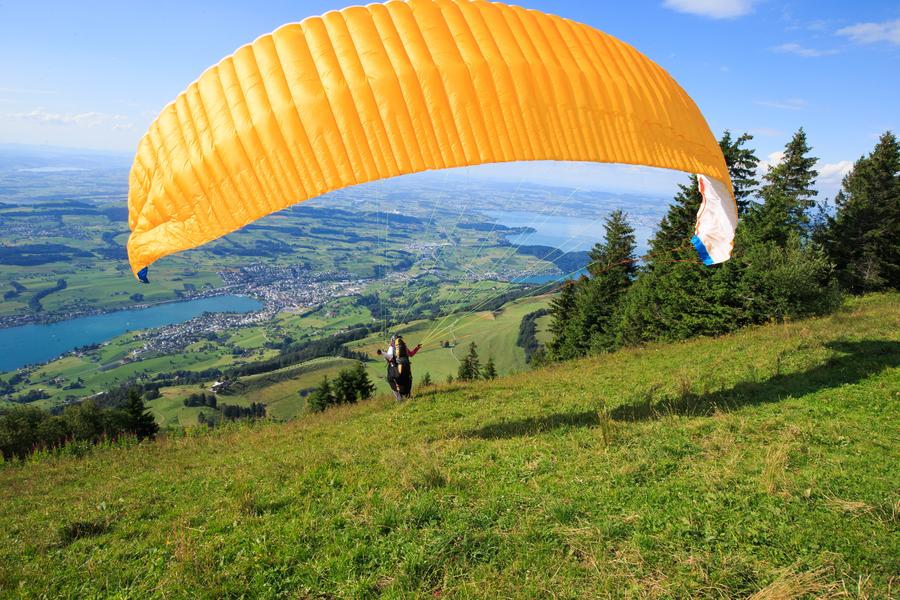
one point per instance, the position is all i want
(372, 92)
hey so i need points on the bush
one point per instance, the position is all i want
(789, 282)
(350, 386)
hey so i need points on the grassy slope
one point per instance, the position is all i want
(723, 466)
(494, 333)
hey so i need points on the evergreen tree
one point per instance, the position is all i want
(863, 238)
(322, 397)
(677, 227)
(788, 194)
(675, 296)
(139, 422)
(426, 380)
(742, 163)
(470, 367)
(489, 371)
(613, 268)
(361, 382)
(563, 327)
(449, 379)
(343, 389)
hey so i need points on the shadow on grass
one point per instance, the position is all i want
(81, 529)
(857, 361)
(533, 425)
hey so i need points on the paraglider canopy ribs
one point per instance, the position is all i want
(372, 92)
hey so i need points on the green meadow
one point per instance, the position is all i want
(760, 464)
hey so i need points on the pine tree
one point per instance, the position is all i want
(675, 296)
(613, 268)
(362, 383)
(863, 238)
(426, 380)
(322, 397)
(563, 309)
(139, 422)
(742, 163)
(490, 370)
(677, 226)
(343, 389)
(795, 174)
(788, 194)
(470, 367)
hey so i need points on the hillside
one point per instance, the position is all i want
(494, 332)
(760, 461)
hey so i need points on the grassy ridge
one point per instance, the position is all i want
(765, 460)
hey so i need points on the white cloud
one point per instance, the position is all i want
(872, 33)
(715, 9)
(831, 174)
(789, 104)
(86, 119)
(794, 48)
(772, 160)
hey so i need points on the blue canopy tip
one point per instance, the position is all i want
(701, 250)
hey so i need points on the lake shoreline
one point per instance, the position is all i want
(39, 344)
(57, 317)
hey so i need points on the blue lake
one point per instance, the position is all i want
(28, 344)
(549, 279)
(569, 234)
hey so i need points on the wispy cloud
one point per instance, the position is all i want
(794, 48)
(86, 119)
(873, 33)
(765, 132)
(789, 104)
(714, 9)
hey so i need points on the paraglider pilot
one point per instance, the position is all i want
(399, 368)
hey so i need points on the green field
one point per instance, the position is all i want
(763, 462)
(416, 256)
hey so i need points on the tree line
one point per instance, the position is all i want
(24, 430)
(34, 303)
(793, 256)
(230, 412)
(527, 338)
(302, 352)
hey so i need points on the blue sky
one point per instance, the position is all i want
(94, 74)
